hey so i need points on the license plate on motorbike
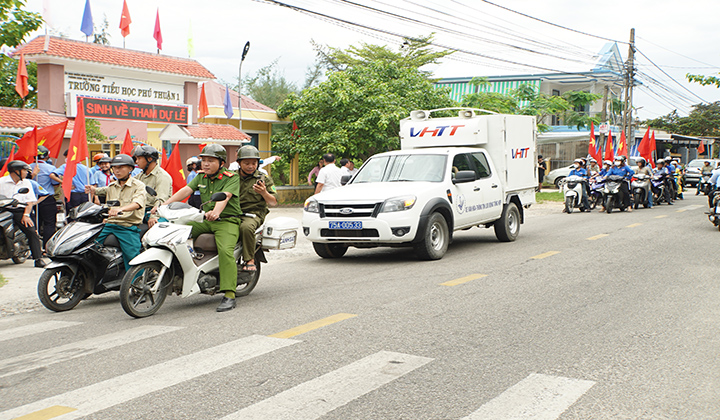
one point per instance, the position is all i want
(345, 225)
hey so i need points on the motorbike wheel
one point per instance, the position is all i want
(636, 201)
(57, 290)
(136, 298)
(569, 205)
(608, 204)
(592, 201)
(248, 280)
(21, 242)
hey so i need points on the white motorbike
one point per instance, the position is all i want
(173, 262)
(573, 191)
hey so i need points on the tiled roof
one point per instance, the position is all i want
(216, 132)
(16, 118)
(87, 51)
(215, 94)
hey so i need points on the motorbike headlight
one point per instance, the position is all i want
(312, 206)
(398, 204)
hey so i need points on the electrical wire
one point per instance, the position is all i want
(670, 77)
(681, 55)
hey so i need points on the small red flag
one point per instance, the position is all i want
(52, 137)
(202, 146)
(294, 130)
(157, 34)
(4, 171)
(203, 107)
(592, 146)
(125, 20)
(174, 167)
(27, 146)
(78, 150)
(622, 147)
(127, 145)
(609, 154)
(701, 147)
(21, 83)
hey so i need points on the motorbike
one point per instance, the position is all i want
(612, 193)
(597, 194)
(14, 244)
(573, 191)
(174, 262)
(641, 190)
(714, 211)
(703, 185)
(660, 190)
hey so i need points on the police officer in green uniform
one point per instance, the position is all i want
(257, 191)
(217, 179)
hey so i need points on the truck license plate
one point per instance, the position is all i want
(345, 225)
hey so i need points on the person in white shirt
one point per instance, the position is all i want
(329, 176)
(347, 167)
(9, 186)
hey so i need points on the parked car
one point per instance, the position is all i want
(692, 170)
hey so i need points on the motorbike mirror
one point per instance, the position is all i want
(113, 203)
(23, 190)
(218, 196)
(150, 191)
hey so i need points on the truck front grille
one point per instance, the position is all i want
(347, 233)
(349, 210)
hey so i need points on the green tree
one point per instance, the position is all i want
(412, 53)
(16, 23)
(704, 80)
(92, 129)
(102, 36)
(8, 76)
(355, 113)
(268, 86)
(703, 120)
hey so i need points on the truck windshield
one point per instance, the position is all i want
(403, 168)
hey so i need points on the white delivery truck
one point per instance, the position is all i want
(452, 173)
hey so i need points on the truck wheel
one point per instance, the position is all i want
(330, 250)
(435, 239)
(507, 227)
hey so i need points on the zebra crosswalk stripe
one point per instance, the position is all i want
(105, 394)
(537, 397)
(30, 361)
(319, 396)
(37, 328)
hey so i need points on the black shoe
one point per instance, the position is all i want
(226, 304)
(39, 263)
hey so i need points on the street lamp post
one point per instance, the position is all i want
(244, 53)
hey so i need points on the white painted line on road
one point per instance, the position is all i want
(661, 216)
(462, 280)
(634, 225)
(32, 329)
(117, 390)
(593, 238)
(30, 361)
(545, 255)
(315, 398)
(537, 397)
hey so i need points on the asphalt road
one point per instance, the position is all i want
(584, 316)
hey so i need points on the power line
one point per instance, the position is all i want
(681, 55)
(670, 77)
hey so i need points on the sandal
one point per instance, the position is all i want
(249, 267)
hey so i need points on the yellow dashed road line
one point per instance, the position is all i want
(544, 255)
(462, 280)
(634, 225)
(292, 332)
(47, 413)
(661, 216)
(602, 235)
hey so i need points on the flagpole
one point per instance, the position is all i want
(242, 58)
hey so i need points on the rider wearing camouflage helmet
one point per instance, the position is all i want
(257, 192)
(215, 178)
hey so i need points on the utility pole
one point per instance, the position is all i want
(629, 80)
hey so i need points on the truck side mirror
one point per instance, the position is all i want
(464, 176)
(345, 179)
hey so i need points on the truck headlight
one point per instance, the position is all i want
(312, 206)
(398, 204)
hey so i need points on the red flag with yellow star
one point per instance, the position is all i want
(592, 147)
(78, 150)
(174, 167)
(622, 146)
(52, 137)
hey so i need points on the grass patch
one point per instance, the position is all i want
(3, 281)
(556, 196)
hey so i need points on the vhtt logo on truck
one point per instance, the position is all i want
(519, 153)
(438, 131)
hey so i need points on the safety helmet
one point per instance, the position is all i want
(146, 152)
(43, 152)
(607, 162)
(592, 160)
(638, 160)
(660, 161)
(99, 156)
(122, 159)
(248, 152)
(707, 162)
(192, 160)
(580, 161)
(621, 158)
(16, 165)
(215, 150)
(106, 159)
